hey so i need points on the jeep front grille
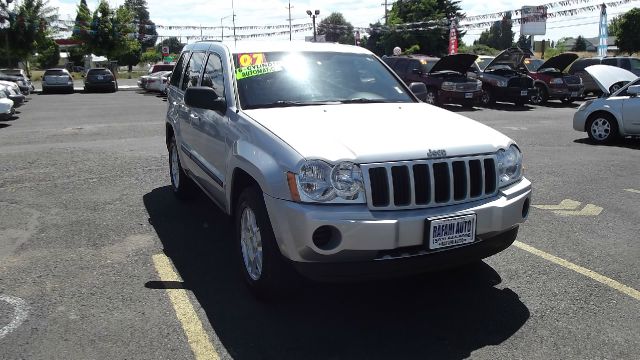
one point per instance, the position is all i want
(467, 86)
(429, 183)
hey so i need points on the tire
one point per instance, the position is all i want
(487, 98)
(182, 186)
(602, 128)
(567, 101)
(265, 271)
(540, 97)
(432, 97)
(615, 87)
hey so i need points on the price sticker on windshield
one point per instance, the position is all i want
(251, 59)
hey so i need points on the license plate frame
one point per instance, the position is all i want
(100, 77)
(468, 95)
(524, 92)
(448, 236)
(574, 94)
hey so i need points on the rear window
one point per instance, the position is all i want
(611, 61)
(55, 72)
(98, 72)
(580, 64)
(164, 67)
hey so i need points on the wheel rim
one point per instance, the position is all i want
(431, 98)
(537, 98)
(485, 97)
(601, 129)
(251, 243)
(175, 167)
(615, 88)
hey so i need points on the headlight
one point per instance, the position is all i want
(478, 85)
(448, 86)
(509, 165)
(585, 105)
(501, 83)
(557, 81)
(322, 182)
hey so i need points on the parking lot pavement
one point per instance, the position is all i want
(99, 260)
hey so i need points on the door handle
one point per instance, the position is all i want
(194, 118)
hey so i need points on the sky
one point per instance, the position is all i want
(359, 13)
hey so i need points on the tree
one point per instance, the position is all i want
(102, 32)
(581, 44)
(146, 29)
(431, 14)
(29, 27)
(175, 46)
(82, 27)
(48, 54)
(127, 49)
(478, 49)
(499, 36)
(627, 34)
(614, 26)
(336, 29)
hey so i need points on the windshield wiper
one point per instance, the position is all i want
(288, 103)
(363, 101)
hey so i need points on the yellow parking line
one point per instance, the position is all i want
(581, 270)
(196, 335)
(633, 191)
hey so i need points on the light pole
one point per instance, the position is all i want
(222, 27)
(313, 18)
(233, 15)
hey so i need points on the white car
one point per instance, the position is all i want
(158, 81)
(613, 115)
(6, 107)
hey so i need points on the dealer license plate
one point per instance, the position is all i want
(468, 95)
(100, 77)
(574, 94)
(524, 92)
(451, 231)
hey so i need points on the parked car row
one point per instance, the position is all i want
(95, 79)
(13, 93)
(514, 75)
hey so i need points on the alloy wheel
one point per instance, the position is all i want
(175, 167)
(251, 243)
(601, 129)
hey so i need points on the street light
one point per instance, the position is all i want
(313, 17)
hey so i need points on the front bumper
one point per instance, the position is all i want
(100, 86)
(566, 92)
(513, 94)
(459, 97)
(580, 120)
(7, 114)
(367, 235)
(18, 100)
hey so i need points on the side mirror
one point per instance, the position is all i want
(633, 90)
(416, 71)
(419, 90)
(201, 97)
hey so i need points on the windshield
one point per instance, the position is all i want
(533, 64)
(279, 79)
(483, 62)
(635, 63)
(158, 68)
(99, 72)
(54, 72)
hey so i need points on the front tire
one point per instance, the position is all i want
(182, 186)
(432, 97)
(540, 97)
(602, 128)
(265, 270)
(487, 98)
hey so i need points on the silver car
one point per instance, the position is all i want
(57, 80)
(331, 168)
(617, 112)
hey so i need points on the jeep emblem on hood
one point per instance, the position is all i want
(437, 153)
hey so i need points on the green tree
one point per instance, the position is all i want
(29, 28)
(146, 29)
(614, 25)
(523, 42)
(627, 34)
(581, 44)
(500, 34)
(102, 32)
(82, 33)
(478, 49)
(434, 13)
(150, 56)
(336, 29)
(127, 49)
(48, 54)
(175, 46)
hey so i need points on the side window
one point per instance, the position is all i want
(414, 64)
(193, 71)
(610, 61)
(625, 64)
(401, 67)
(177, 71)
(213, 76)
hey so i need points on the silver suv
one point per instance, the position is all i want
(331, 167)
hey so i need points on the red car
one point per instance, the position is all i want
(551, 81)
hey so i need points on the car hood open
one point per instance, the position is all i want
(606, 76)
(459, 63)
(559, 62)
(366, 133)
(511, 57)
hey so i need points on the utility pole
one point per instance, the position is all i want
(386, 12)
(233, 14)
(289, 7)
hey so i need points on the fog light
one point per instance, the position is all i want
(326, 237)
(525, 209)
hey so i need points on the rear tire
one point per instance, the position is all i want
(432, 97)
(487, 98)
(265, 270)
(602, 128)
(540, 97)
(182, 186)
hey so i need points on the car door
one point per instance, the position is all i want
(631, 113)
(211, 129)
(175, 96)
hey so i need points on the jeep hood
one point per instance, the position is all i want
(606, 76)
(459, 63)
(366, 133)
(559, 62)
(511, 57)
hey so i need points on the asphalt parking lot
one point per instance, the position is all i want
(98, 260)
